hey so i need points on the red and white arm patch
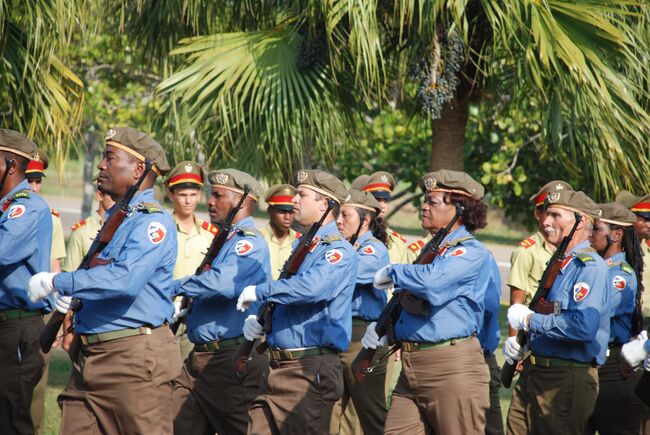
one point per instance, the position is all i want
(580, 291)
(16, 211)
(243, 247)
(156, 232)
(333, 256)
(619, 282)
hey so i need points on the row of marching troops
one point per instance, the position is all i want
(314, 305)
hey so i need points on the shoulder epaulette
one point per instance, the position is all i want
(398, 235)
(79, 224)
(584, 257)
(459, 240)
(327, 240)
(527, 243)
(55, 213)
(149, 207)
(416, 246)
(647, 242)
(209, 227)
(247, 232)
(298, 235)
(627, 268)
(22, 194)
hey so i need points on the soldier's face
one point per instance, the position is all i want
(307, 208)
(220, 203)
(557, 224)
(184, 200)
(281, 218)
(383, 208)
(598, 237)
(117, 171)
(348, 221)
(642, 226)
(436, 213)
(36, 184)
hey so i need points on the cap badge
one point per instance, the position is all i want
(384, 179)
(301, 176)
(430, 183)
(36, 156)
(221, 178)
(110, 133)
(347, 198)
(188, 167)
(559, 186)
(553, 197)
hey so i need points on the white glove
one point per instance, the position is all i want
(246, 298)
(252, 328)
(371, 340)
(62, 303)
(513, 350)
(382, 281)
(179, 312)
(517, 314)
(634, 352)
(40, 286)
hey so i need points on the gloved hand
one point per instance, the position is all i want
(382, 281)
(246, 298)
(179, 312)
(371, 340)
(40, 286)
(252, 328)
(517, 315)
(634, 352)
(62, 303)
(513, 351)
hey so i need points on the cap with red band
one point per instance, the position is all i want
(551, 186)
(187, 174)
(37, 165)
(280, 196)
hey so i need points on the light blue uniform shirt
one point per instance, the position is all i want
(368, 302)
(623, 283)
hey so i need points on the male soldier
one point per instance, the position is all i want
(184, 184)
(278, 233)
(26, 235)
(121, 380)
(381, 185)
(208, 397)
(312, 321)
(569, 343)
(35, 173)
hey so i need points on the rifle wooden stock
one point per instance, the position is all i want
(362, 362)
(539, 304)
(290, 268)
(90, 260)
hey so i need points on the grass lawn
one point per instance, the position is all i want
(60, 371)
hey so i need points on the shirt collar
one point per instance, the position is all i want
(141, 196)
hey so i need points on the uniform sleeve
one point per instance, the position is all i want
(521, 262)
(127, 273)
(580, 321)
(369, 264)
(439, 282)
(17, 233)
(227, 273)
(317, 283)
(74, 251)
(58, 239)
(622, 301)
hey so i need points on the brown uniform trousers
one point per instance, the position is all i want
(297, 396)
(618, 409)
(556, 400)
(122, 386)
(209, 397)
(363, 404)
(21, 367)
(442, 390)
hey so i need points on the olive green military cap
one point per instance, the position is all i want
(445, 180)
(639, 205)
(280, 196)
(576, 201)
(362, 199)
(323, 183)
(140, 145)
(359, 182)
(14, 142)
(552, 186)
(617, 214)
(235, 180)
(186, 174)
(37, 165)
(380, 184)
(626, 198)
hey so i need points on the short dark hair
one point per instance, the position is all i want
(475, 214)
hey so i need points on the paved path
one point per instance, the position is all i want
(70, 209)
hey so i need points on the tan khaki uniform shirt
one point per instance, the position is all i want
(645, 297)
(192, 246)
(398, 251)
(417, 246)
(82, 236)
(58, 239)
(528, 263)
(280, 250)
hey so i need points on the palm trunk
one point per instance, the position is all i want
(448, 145)
(89, 186)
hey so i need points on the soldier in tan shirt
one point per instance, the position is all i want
(278, 233)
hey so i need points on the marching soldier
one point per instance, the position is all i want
(278, 233)
(184, 184)
(208, 396)
(26, 235)
(311, 322)
(618, 409)
(441, 373)
(569, 343)
(381, 185)
(122, 374)
(365, 403)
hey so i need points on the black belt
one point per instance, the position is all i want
(288, 355)
(216, 345)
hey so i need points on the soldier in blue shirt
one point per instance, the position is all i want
(365, 402)
(443, 369)
(311, 323)
(618, 409)
(25, 238)
(207, 395)
(121, 380)
(568, 344)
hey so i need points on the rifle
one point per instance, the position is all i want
(290, 268)
(539, 304)
(402, 299)
(215, 246)
(90, 260)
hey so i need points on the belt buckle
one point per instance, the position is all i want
(408, 346)
(288, 355)
(275, 354)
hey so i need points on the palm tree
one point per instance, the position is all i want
(286, 83)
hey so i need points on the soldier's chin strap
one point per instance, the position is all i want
(609, 243)
(8, 164)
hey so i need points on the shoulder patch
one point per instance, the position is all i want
(333, 256)
(16, 211)
(458, 252)
(79, 224)
(314, 243)
(209, 227)
(619, 282)
(398, 235)
(243, 247)
(647, 242)
(149, 207)
(580, 291)
(527, 243)
(369, 250)
(585, 257)
(55, 213)
(627, 268)
(416, 246)
(156, 232)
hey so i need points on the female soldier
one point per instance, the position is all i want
(443, 386)
(357, 222)
(618, 409)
